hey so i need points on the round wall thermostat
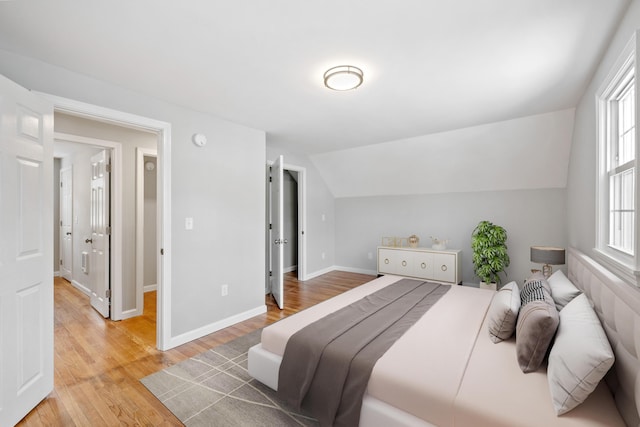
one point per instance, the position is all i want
(199, 139)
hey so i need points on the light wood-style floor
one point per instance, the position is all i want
(98, 363)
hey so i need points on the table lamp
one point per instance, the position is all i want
(548, 256)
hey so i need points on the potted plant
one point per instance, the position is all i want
(490, 257)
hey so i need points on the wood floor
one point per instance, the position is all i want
(98, 363)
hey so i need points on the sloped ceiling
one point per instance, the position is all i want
(430, 66)
(526, 153)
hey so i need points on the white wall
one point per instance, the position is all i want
(581, 194)
(531, 217)
(227, 242)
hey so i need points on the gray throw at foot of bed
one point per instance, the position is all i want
(326, 365)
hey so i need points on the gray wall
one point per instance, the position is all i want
(581, 187)
(290, 220)
(320, 201)
(150, 264)
(130, 139)
(531, 217)
(227, 242)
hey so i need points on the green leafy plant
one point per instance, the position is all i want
(490, 257)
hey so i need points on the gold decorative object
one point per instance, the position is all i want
(394, 242)
(413, 241)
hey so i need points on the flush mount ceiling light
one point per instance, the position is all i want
(343, 77)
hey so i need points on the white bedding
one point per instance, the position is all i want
(444, 370)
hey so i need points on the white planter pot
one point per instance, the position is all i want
(493, 286)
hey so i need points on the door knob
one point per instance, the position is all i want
(88, 240)
(68, 233)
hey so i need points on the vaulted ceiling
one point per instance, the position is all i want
(429, 66)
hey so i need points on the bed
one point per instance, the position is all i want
(445, 371)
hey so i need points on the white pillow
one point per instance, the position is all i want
(503, 312)
(580, 357)
(562, 290)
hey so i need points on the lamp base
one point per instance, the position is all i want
(546, 270)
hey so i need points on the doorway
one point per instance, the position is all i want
(86, 213)
(294, 178)
(162, 131)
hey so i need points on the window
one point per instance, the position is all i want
(616, 241)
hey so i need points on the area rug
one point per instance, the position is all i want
(215, 389)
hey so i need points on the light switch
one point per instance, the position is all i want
(188, 223)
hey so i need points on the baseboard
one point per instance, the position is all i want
(290, 269)
(128, 314)
(82, 288)
(150, 288)
(213, 327)
(356, 270)
(340, 268)
(319, 273)
(56, 274)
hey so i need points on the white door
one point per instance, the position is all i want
(26, 251)
(66, 222)
(100, 231)
(277, 234)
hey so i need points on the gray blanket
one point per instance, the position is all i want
(326, 365)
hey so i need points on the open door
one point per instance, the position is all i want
(277, 233)
(66, 223)
(26, 246)
(100, 231)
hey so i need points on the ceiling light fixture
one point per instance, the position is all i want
(343, 77)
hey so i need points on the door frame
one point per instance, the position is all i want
(115, 262)
(163, 130)
(302, 221)
(141, 152)
(59, 225)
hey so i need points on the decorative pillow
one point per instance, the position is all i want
(503, 312)
(580, 357)
(562, 290)
(537, 323)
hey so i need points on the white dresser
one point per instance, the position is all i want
(421, 263)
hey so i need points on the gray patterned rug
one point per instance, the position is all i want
(215, 389)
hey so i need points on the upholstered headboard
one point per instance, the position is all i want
(618, 306)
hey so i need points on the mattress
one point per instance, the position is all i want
(436, 348)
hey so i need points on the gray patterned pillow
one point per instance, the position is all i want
(537, 323)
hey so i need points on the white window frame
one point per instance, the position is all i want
(624, 264)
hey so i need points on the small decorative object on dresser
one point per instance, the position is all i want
(439, 244)
(421, 263)
(413, 241)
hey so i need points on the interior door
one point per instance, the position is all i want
(277, 235)
(66, 223)
(100, 231)
(26, 251)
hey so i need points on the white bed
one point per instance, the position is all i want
(477, 382)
